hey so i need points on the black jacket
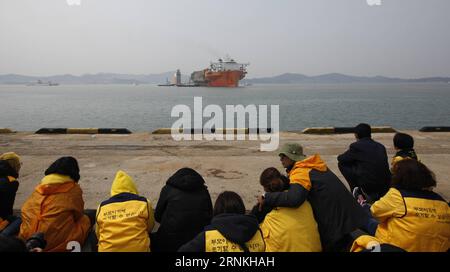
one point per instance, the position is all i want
(7, 190)
(184, 208)
(370, 163)
(237, 228)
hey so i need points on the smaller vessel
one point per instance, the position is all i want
(42, 83)
(167, 84)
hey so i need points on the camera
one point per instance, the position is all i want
(36, 241)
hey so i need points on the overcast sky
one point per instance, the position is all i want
(403, 38)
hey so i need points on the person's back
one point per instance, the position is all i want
(287, 229)
(8, 190)
(184, 208)
(231, 230)
(291, 230)
(124, 220)
(365, 164)
(410, 215)
(56, 207)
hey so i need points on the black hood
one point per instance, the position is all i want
(237, 228)
(67, 166)
(186, 179)
(7, 170)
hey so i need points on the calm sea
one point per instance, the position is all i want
(146, 107)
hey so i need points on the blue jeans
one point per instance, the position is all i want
(372, 224)
(13, 228)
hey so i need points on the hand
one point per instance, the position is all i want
(260, 202)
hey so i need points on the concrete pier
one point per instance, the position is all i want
(225, 165)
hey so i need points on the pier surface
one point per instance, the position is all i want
(225, 165)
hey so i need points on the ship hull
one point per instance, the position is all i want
(224, 78)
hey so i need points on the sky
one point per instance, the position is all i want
(399, 38)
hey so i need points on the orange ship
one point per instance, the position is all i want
(224, 73)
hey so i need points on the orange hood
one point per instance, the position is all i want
(312, 162)
(54, 184)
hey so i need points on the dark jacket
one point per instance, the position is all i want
(370, 163)
(8, 189)
(236, 228)
(336, 211)
(184, 208)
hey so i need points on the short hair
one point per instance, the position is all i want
(229, 202)
(412, 175)
(363, 131)
(403, 141)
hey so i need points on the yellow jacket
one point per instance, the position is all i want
(300, 172)
(291, 230)
(55, 208)
(413, 221)
(216, 242)
(125, 220)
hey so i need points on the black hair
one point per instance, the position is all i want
(403, 141)
(363, 131)
(229, 202)
(67, 166)
(412, 175)
(271, 174)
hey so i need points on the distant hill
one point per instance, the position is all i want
(100, 78)
(287, 78)
(290, 78)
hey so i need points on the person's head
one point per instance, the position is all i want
(229, 202)
(403, 141)
(290, 153)
(272, 180)
(13, 160)
(187, 179)
(67, 166)
(363, 131)
(412, 175)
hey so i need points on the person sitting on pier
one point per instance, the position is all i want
(365, 165)
(411, 216)
(184, 208)
(404, 147)
(10, 165)
(56, 207)
(310, 179)
(231, 230)
(125, 220)
(287, 229)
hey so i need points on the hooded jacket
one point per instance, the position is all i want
(228, 233)
(336, 211)
(184, 208)
(415, 221)
(55, 208)
(124, 220)
(8, 188)
(291, 230)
